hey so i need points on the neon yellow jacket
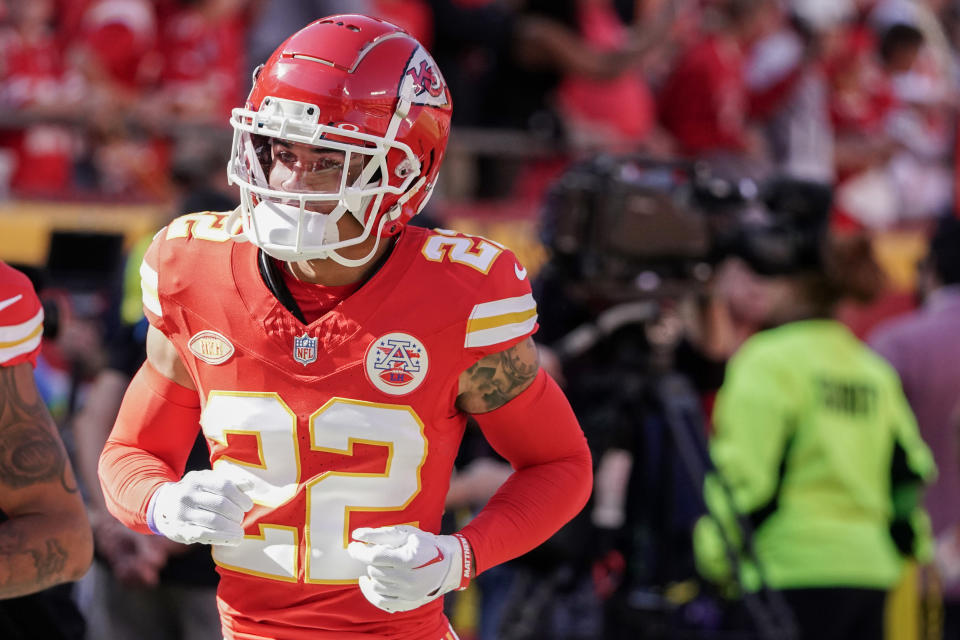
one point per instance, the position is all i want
(808, 427)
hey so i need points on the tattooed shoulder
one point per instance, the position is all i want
(494, 380)
(30, 451)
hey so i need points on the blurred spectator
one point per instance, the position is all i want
(821, 455)
(531, 67)
(860, 102)
(616, 113)
(704, 102)
(892, 122)
(115, 48)
(552, 41)
(141, 587)
(920, 122)
(790, 94)
(203, 43)
(36, 155)
(924, 348)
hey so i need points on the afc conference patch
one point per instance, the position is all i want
(305, 349)
(396, 363)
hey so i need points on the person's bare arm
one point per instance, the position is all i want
(544, 43)
(494, 380)
(165, 359)
(46, 539)
(91, 427)
(135, 559)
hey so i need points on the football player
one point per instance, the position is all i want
(331, 354)
(45, 538)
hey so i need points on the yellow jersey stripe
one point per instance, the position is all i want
(506, 305)
(502, 333)
(33, 334)
(479, 324)
(16, 333)
(24, 347)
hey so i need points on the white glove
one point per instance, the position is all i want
(204, 506)
(406, 567)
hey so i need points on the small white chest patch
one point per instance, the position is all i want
(211, 347)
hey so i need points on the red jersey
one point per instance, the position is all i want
(21, 318)
(349, 421)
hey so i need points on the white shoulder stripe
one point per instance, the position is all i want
(17, 333)
(151, 301)
(148, 287)
(506, 305)
(24, 347)
(500, 321)
(148, 274)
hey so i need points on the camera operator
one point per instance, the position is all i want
(820, 454)
(628, 311)
(814, 442)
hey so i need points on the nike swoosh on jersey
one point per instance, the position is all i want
(439, 557)
(520, 271)
(9, 301)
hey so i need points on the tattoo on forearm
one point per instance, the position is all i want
(500, 377)
(51, 562)
(29, 452)
(28, 562)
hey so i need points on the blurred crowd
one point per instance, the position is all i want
(128, 101)
(99, 97)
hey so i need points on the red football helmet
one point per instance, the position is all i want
(350, 114)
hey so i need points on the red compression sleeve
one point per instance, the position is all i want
(541, 438)
(149, 445)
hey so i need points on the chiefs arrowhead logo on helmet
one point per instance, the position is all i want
(424, 76)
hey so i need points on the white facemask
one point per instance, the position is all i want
(278, 224)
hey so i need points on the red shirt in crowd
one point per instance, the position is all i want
(624, 104)
(704, 101)
(31, 75)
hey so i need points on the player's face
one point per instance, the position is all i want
(301, 168)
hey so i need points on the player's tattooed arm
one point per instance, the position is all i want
(498, 378)
(30, 450)
(45, 538)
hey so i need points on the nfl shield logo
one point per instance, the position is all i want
(304, 349)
